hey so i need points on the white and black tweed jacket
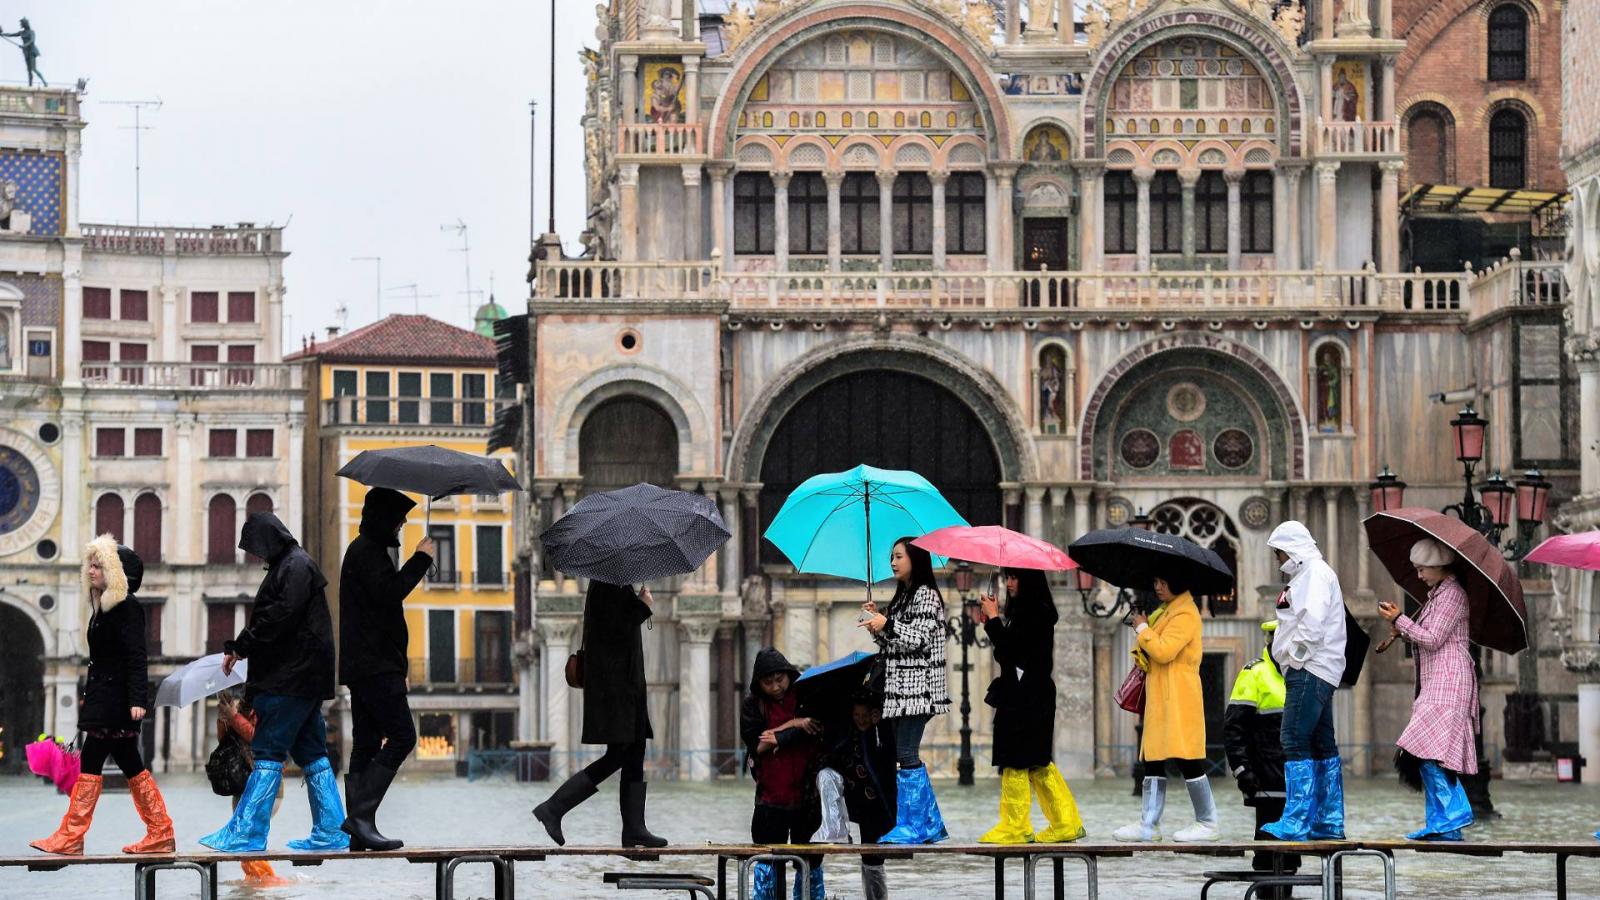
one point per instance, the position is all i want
(912, 644)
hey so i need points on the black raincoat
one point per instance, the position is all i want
(1025, 704)
(614, 710)
(289, 638)
(372, 624)
(118, 668)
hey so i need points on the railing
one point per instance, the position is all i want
(216, 240)
(17, 100)
(359, 409)
(1357, 138)
(192, 376)
(649, 139)
(625, 281)
(1514, 283)
(484, 671)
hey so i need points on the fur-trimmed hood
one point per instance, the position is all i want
(124, 573)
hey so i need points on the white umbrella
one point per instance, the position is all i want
(198, 680)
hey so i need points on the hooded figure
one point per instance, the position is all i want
(783, 750)
(1309, 646)
(114, 702)
(372, 659)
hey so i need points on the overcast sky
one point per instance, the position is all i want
(370, 123)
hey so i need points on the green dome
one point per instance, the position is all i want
(488, 314)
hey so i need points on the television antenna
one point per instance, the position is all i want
(415, 307)
(378, 281)
(460, 228)
(138, 128)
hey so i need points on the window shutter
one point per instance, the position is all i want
(220, 539)
(147, 527)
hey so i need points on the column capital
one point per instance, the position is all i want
(833, 178)
(1391, 167)
(886, 179)
(628, 175)
(699, 629)
(1034, 492)
(558, 629)
(691, 64)
(750, 494)
(1233, 176)
(1004, 168)
(938, 177)
(720, 168)
(628, 63)
(1327, 170)
(691, 174)
(1189, 177)
(780, 179)
(1143, 175)
(1089, 168)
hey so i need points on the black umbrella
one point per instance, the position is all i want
(1133, 557)
(634, 535)
(430, 470)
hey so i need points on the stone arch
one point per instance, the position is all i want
(31, 610)
(1533, 119)
(1261, 45)
(975, 386)
(964, 57)
(785, 155)
(1238, 355)
(945, 158)
(841, 155)
(1345, 381)
(646, 382)
(1067, 128)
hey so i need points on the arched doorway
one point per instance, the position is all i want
(885, 418)
(21, 687)
(625, 441)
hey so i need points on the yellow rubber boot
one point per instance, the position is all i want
(1055, 798)
(1016, 806)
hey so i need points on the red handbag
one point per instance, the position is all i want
(1130, 696)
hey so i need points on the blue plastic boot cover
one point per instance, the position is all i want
(327, 810)
(917, 820)
(1446, 809)
(818, 892)
(763, 882)
(246, 831)
(1328, 822)
(1299, 776)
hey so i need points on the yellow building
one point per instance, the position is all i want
(405, 381)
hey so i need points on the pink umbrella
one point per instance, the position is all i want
(48, 759)
(1575, 551)
(995, 546)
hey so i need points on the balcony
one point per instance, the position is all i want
(408, 412)
(61, 103)
(1128, 293)
(191, 376)
(1357, 140)
(643, 142)
(480, 673)
(1514, 284)
(217, 240)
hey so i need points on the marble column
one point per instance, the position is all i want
(780, 220)
(1104, 675)
(886, 220)
(1235, 220)
(1004, 178)
(274, 323)
(1386, 19)
(751, 545)
(74, 161)
(694, 696)
(1327, 215)
(1389, 214)
(1091, 214)
(1034, 515)
(170, 326)
(1588, 415)
(1080, 511)
(732, 553)
(1291, 212)
(691, 86)
(1076, 696)
(557, 633)
(721, 241)
(821, 630)
(727, 714)
(1141, 183)
(1385, 112)
(1330, 526)
(693, 221)
(628, 186)
(1325, 89)
(938, 178)
(630, 88)
(834, 181)
(1013, 23)
(1058, 529)
(71, 324)
(1064, 22)
(1187, 179)
(1363, 554)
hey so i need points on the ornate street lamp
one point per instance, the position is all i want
(1388, 491)
(1470, 432)
(1142, 521)
(1497, 496)
(964, 628)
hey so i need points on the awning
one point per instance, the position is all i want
(1445, 198)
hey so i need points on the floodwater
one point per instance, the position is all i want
(440, 811)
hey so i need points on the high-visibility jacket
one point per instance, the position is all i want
(1251, 724)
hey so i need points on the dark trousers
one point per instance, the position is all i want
(125, 750)
(1190, 769)
(1270, 809)
(908, 739)
(626, 758)
(380, 725)
(776, 825)
(289, 726)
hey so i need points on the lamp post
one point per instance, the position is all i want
(964, 628)
(1085, 583)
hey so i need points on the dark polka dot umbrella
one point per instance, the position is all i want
(634, 535)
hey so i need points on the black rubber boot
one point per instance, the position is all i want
(634, 834)
(572, 792)
(364, 795)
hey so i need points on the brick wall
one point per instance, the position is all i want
(1581, 89)
(1444, 73)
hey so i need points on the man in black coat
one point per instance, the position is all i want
(289, 643)
(372, 659)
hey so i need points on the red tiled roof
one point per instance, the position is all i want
(402, 338)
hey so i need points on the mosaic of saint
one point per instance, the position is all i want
(663, 93)
(1190, 88)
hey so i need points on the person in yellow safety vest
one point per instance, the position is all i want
(1250, 735)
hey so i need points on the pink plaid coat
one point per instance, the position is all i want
(1445, 714)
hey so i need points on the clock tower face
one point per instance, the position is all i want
(19, 490)
(30, 492)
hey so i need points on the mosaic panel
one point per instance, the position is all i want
(32, 184)
(1185, 422)
(1187, 88)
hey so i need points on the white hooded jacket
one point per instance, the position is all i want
(1311, 634)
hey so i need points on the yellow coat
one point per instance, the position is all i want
(1174, 709)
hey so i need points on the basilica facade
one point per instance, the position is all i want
(1078, 265)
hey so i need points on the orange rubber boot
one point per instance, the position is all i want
(152, 809)
(68, 839)
(258, 873)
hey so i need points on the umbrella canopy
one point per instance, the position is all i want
(995, 545)
(48, 759)
(845, 523)
(1575, 551)
(824, 688)
(1133, 557)
(634, 535)
(430, 470)
(200, 679)
(1499, 619)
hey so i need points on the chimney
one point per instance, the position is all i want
(333, 331)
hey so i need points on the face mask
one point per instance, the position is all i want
(1291, 567)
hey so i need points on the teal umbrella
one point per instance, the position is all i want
(846, 523)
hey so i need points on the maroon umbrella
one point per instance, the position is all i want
(1499, 618)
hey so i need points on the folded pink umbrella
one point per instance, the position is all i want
(49, 759)
(1575, 551)
(995, 546)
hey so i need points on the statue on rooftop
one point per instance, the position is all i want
(30, 51)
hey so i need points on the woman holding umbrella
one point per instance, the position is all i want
(1436, 747)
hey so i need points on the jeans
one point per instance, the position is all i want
(908, 740)
(289, 726)
(380, 726)
(1307, 730)
(626, 758)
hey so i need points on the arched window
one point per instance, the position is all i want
(752, 213)
(1122, 213)
(913, 213)
(1508, 43)
(808, 214)
(1255, 210)
(108, 516)
(1427, 143)
(1209, 527)
(1166, 214)
(964, 199)
(858, 215)
(1508, 150)
(1329, 375)
(626, 441)
(255, 503)
(1211, 213)
(147, 527)
(220, 537)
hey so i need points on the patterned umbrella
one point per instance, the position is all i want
(634, 535)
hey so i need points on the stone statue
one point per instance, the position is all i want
(1040, 14)
(980, 23)
(1262, 9)
(1094, 25)
(30, 51)
(658, 14)
(736, 26)
(1291, 21)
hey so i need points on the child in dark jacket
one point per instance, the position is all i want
(783, 749)
(859, 774)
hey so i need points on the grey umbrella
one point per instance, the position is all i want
(430, 470)
(634, 535)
